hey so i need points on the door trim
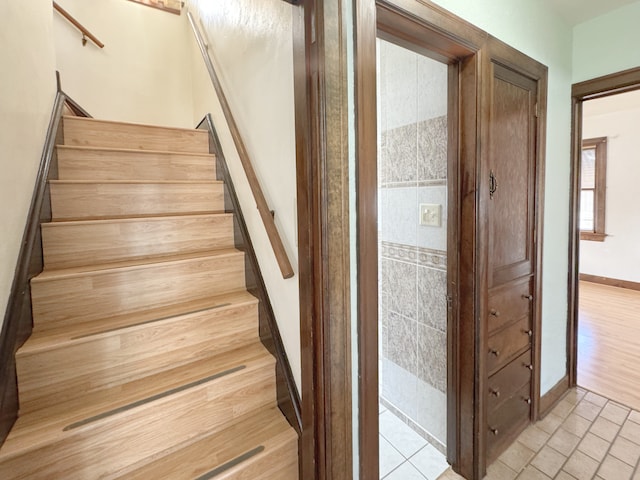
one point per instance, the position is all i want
(619, 82)
(430, 30)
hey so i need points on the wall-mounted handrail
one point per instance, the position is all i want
(266, 215)
(85, 33)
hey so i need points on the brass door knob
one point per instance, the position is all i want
(494, 312)
(494, 392)
(494, 352)
(494, 430)
(527, 297)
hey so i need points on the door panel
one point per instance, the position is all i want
(512, 163)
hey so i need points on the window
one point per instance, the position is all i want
(593, 188)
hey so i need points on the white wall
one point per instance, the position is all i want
(27, 91)
(616, 118)
(251, 43)
(533, 29)
(142, 74)
(607, 44)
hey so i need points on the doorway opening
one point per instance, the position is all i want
(412, 254)
(608, 296)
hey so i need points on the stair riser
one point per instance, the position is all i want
(111, 444)
(79, 164)
(76, 244)
(95, 133)
(95, 295)
(95, 200)
(53, 376)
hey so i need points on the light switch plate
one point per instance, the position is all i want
(431, 214)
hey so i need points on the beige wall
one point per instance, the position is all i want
(141, 75)
(252, 46)
(27, 91)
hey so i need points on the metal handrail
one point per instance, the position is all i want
(266, 214)
(85, 33)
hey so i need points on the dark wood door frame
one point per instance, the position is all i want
(429, 30)
(604, 86)
(322, 120)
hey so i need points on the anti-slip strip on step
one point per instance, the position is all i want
(153, 398)
(232, 463)
(191, 312)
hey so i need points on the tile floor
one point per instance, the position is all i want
(405, 455)
(585, 437)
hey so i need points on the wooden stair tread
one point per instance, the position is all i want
(80, 332)
(137, 216)
(133, 150)
(48, 275)
(132, 219)
(136, 182)
(257, 434)
(47, 425)
(132, 124)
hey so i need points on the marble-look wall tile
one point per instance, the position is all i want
(399, 387)
(401, 287)
(432, 357)
(432, 298)
(401, 156)
(432, 149)
(401, 342)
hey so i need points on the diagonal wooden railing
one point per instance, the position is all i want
(85, 33)
(261, 203)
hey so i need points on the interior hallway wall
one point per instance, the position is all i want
(143, 74)
(27, 92)
(252, 49)
(412, 164)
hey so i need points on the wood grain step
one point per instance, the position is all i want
(82, 199)
(53, 365)
(75, 243)
(82, 294)
(98, 436)
(82, 163)
(90, 132)
(262, 446)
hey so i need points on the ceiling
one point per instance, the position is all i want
(578, 11)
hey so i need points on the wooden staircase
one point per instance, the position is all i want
(145, 360)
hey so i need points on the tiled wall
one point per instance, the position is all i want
(413, 259)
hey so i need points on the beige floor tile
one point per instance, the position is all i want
(634, 416)
(576, 424)
(636, 476)
(450, 475)
(587, 410)
(625, 450)
(549, 461)
(574, 396)
(531, 473)
(564, 476)
(596, 399)
(564, 442)
(631, 431)
(534, 437)
(550, 423)
(594, 446)
(499, 471)
(517, 456)
(563, 408)
(615, 413)
(581, 466)
(614, 469)
(605, 429)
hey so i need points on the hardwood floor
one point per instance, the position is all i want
(609, 342)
